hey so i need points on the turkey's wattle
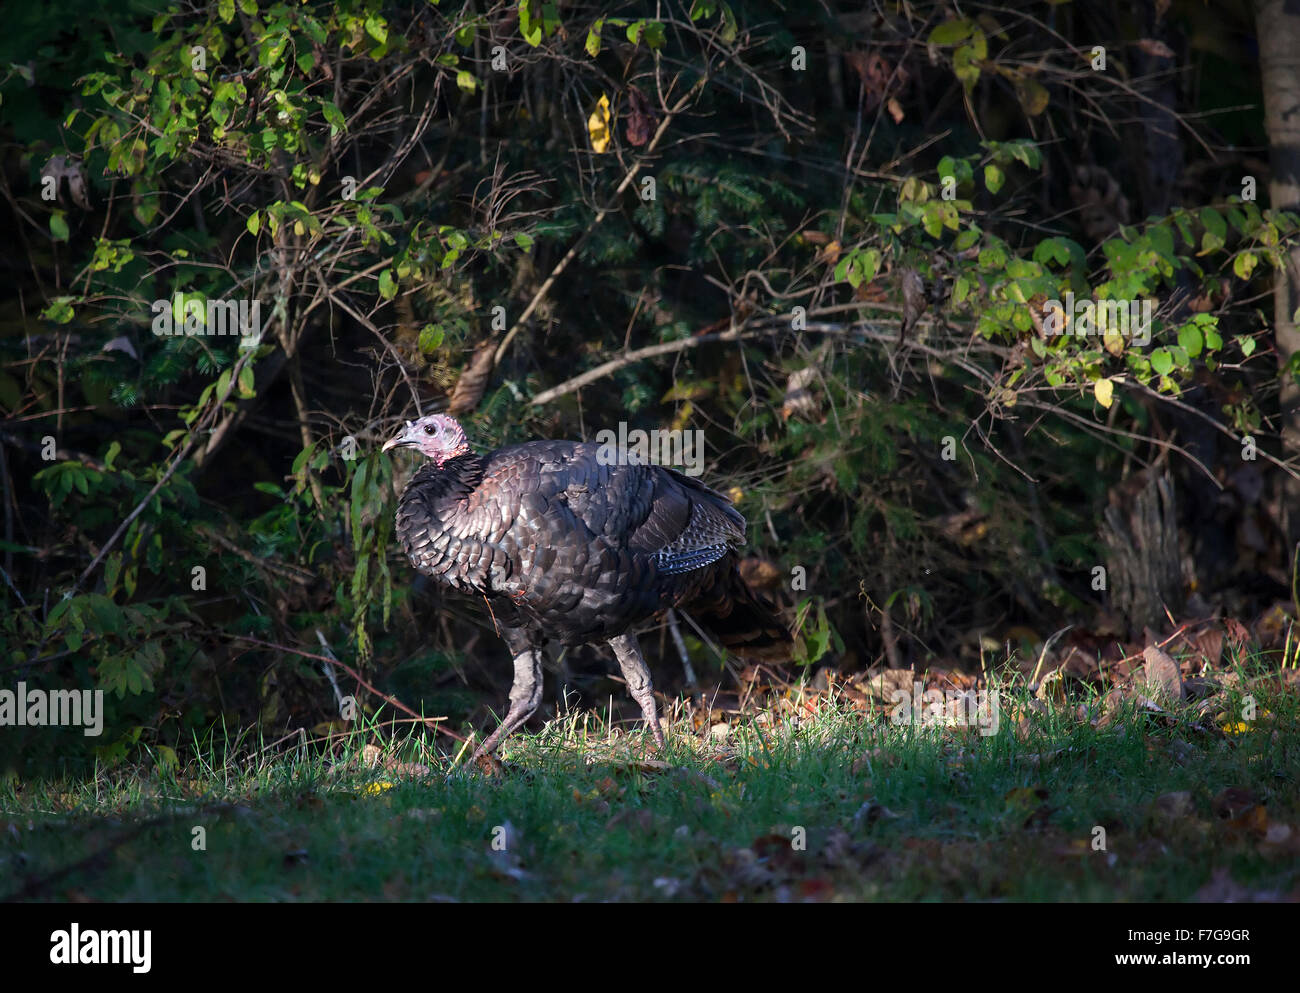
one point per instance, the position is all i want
(563, 547)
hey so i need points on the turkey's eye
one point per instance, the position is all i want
(428, 429)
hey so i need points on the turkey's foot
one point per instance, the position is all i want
(637, 675)
(525, 695)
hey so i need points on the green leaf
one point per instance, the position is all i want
(530, 27)
(333, 117)
(387, 285)
(593, 38)
(1162, 361)
(1189, 336)
(254, 223)
(729, 27)
(431, 336)
(59, 226)
(377, 28)
(1214, 223)
(951, 32)
(993, 177)
(59, 311)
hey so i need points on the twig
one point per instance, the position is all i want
(687, 668)
(650, 351)
(393, 701)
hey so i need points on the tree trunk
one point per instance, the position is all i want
(1277, 26)
(1141, 537)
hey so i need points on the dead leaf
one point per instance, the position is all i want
(1252, 821)
(799, 399)
(863, 763)
(1222, 888)
(640, 118)
(473, 381)
(1153, 46)
(1160, 679)
(1175, 805)
(1233, 801)
(885, 684)
(1237, 633)
(870, 812)
(914, 301)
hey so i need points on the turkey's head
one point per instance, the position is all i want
(438, 436)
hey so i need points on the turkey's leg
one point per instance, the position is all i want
(628, 653)
(525, 694)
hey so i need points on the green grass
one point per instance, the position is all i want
(888, 812)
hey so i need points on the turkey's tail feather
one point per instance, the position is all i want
(742, 620)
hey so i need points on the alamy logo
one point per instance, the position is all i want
(53, 708)
(951, 708)
(191, 315)
(95, 947)
(682, 450)
(1130, 318)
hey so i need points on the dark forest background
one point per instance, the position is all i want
(828, 235)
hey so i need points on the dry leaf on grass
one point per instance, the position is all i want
(1160, 679)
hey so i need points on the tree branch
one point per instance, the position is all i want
(601, 214)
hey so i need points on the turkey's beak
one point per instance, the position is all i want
(400, 440)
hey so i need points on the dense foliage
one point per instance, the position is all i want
(836, 239)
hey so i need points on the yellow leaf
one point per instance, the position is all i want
(598, 126)
(683, 416)
(1104, 391)
(379, 787)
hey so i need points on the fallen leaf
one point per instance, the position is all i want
(1233, 801)
(1175, 805)
(1222, 888)
(870, 812)
(1160, 678)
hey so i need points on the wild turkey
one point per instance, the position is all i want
(562, 546)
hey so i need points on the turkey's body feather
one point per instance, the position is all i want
(561, 544)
